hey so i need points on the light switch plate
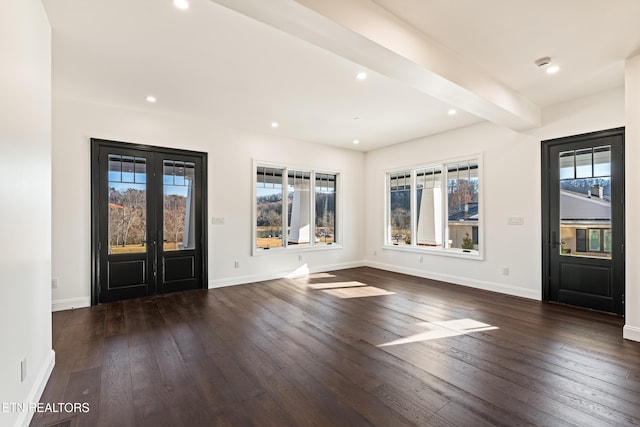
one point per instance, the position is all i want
(515, 220)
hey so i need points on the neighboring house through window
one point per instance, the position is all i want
(435, 208)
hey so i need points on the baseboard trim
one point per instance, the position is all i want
(70, 304)
(631, 333)
(38, 388)
(463, 281)
(299, 272)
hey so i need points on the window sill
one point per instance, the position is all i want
(296, 249)
(452, 253)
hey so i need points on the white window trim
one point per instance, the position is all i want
(443, 251)
(312, 246)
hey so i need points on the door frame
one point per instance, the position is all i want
(546, 202)
(96, 144)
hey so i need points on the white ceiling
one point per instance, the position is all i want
(298, 65)
(588, 39)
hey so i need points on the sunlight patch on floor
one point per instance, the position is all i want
(357, 292)
(335, 285)
(444, 329)
(321, 276)
(352, 289)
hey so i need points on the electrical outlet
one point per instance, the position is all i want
(23, 369)
(236, 264)
(375, 253)
(505, 271)
(421, 259)
(54, 283)
(299, 257)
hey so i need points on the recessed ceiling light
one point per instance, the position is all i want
(274, 124)
(151, 98)
(452, 112)
(181, 4)
(552, 69)
(545, 62)
(361, 75)
(356, 141)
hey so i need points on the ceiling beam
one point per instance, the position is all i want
(367, 34)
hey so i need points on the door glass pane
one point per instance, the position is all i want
(178, 211)
(584, 163)
(299, 207)
(567, 165)
(140, 170)
(127, 204)
(269, 207)
(585, 205)
(178, 173)
(602, 161)
(167, 172)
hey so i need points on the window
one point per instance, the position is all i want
(429, 206)
(325, 203)
(299, 207)
(462, 204)
(435, 208)
(400, 207)
(295, 208)
(269, 219)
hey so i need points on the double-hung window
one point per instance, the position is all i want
(294, 208)
(435, 207)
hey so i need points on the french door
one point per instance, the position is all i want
(583, 220)
(148, 220)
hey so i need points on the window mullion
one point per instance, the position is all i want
(414, 208)
(312, 208)
(285, 210)
(445, 207)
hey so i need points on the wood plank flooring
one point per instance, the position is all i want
(354, 347)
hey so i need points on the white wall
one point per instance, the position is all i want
(230, 155)
(632, 206)
(511, 187)
(25, 261)
(508, 190)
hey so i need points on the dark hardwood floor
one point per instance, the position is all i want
(319, 351)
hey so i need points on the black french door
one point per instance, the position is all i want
(583, 220)
(148, 220)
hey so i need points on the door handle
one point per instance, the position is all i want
(554, 240)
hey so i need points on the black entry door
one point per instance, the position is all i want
(148, 220)
(583, 220)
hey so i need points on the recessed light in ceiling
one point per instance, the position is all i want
(452, 112)
(545, 62)
(150, 98)
(275, 124)
(356, 141)
(361, 75)
(552, 69)
(181, 4)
